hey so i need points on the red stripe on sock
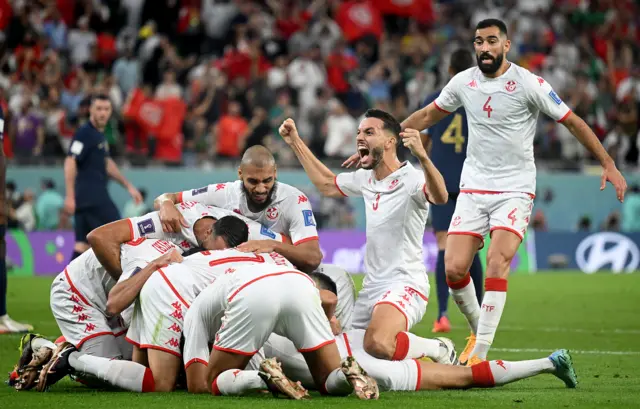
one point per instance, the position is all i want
(495, 284)
(148, 384)
(214, 387)
(458, 285)
(482, 375)
(402, 347)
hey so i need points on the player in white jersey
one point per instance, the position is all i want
(258, 196)
(200, 218)
(240, 311)
(498, 182)
(396, 287)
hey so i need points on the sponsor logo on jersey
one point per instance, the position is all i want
(308, 218)
(146, 227)
(511, 86)
(555, 97)
(272, 213)
(266, 232)
(199, 191)
(473, 84)
(220, 186)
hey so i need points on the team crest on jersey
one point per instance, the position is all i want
(237, 211)
(511, 86)
(199, 191)
(272, 213)
(555, 97)
(393, 184)
(146, 227)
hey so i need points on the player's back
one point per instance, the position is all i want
(502, 116)
(449, 145)
(86, 275)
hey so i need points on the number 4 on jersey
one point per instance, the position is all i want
(453, 134)
(487, 108)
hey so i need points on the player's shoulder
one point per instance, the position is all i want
(234, 186)
(412, 173)
(524, 75)
(288, 194)
(466, 76)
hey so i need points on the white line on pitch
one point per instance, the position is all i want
(573, 351)
(559, 329)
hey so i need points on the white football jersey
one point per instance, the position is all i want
(199, 270)
(396, 214)
(289, 212)
(502, 115)
(90, 279)
(346, 292)
(149, 225)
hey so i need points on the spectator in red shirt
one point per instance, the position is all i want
(230, 132)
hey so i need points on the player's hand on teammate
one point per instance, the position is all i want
(171, 219)
(167, 258)
(258, 246)
(411, 139)
(354, 160)
(612, 174)
(288, 131)
(135, 194)
(70, 205)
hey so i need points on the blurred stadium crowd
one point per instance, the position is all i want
(195, 82)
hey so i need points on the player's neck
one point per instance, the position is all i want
(386, 167)
(503, 68)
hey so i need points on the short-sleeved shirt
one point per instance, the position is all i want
(90, 150)
(396, 216)
(288, 213)
(502, 115)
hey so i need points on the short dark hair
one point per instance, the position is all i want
(100, 97)
(233, 230)
(493, 22)
(461, 60)
(324, 282)
(389, 122)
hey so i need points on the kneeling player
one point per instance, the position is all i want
(240, 311)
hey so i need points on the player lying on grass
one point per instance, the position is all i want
(240, 311)
(409, 374)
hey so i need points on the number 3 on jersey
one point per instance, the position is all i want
(487, 108)
(453, 134)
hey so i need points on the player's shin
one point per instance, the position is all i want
(493, 303)
(235, 382)
(496, 373)
(126, 375)
(463, 293)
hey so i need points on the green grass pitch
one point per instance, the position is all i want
(595, 316)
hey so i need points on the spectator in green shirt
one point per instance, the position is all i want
(631, 210)
(48, 206)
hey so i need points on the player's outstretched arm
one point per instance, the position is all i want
(434, 188)
(106, 241)
(125, 292)
(585, 135)
(319, 174)
(424, 118)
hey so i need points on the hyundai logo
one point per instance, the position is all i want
(607, 249)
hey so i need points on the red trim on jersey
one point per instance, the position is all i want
(495, 284)
(136, 242)
(163, 349)
(97, 334)
(179, 197)
(335, 181)
(346, 343)
(315, 348)
(173, 288)
(406, 319)
(131, 229)
(426, 195)
(493, 192)
(564, 117)
(256, 258)
(305, 240)
(440, 109)
(74, 289)
(460, 284)
(234, 351)
(419, 377)
(467, 233)
(509, 229)
(132, 342)
(196, 361)
(243, 286)
(119, 334)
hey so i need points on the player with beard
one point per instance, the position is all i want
(498, 182)
(259, 196)
(397, 196)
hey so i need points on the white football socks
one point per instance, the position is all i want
(493, 302)
(127, 375)
(236, 382)
(464, 294)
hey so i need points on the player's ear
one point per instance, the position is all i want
(240, 172)
(507, 46)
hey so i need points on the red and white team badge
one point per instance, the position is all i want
(393, 184)
(272, 213)
(511, 86)
(456, 221)
(540, 81)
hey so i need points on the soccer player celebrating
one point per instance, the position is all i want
(394, 294)
(498, 182)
